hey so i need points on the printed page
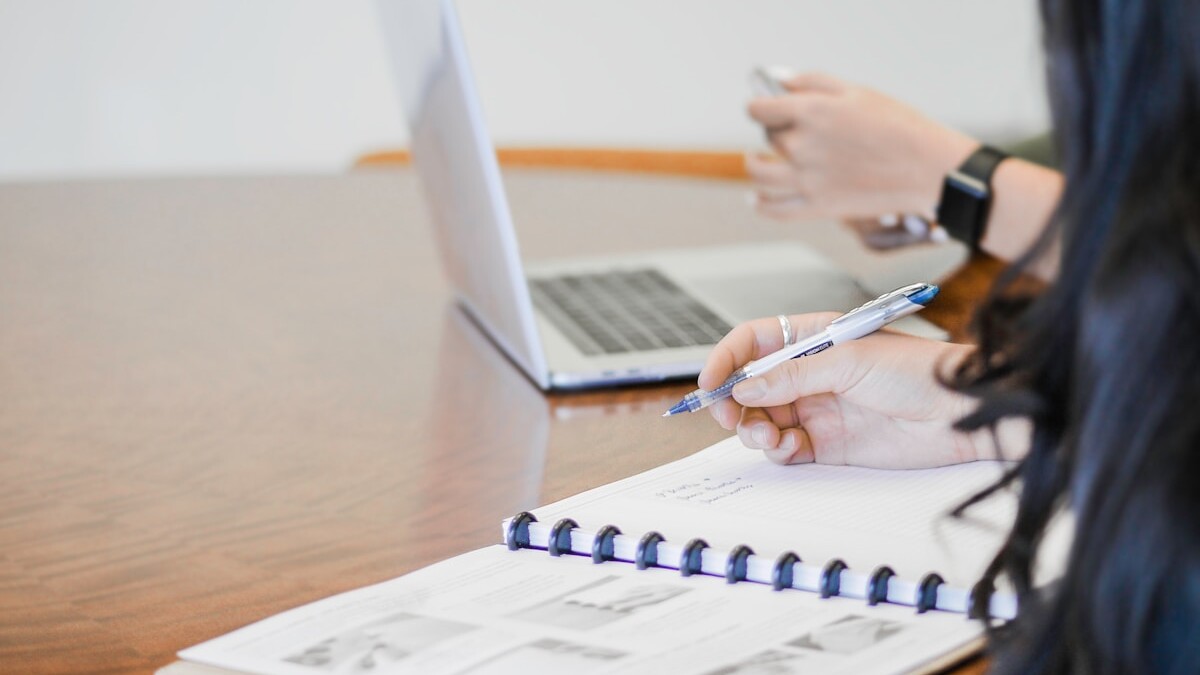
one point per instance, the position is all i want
(495, 611)
(729, 495)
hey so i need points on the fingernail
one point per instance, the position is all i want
(788, 443)
(751, 391)
(759, 434)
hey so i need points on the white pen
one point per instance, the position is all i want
(850, 326)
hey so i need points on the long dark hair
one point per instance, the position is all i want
(1106, 361)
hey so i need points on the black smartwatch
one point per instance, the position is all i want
(967, 196)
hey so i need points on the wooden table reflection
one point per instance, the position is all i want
(220, 398)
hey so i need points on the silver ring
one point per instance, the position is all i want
(789, 338)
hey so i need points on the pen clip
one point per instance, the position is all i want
(877, 302)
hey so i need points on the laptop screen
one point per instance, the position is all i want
(457, 165)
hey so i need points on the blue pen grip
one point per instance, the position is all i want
(702, 399)
(726, 389)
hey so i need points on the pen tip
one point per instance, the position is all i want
(667, 414)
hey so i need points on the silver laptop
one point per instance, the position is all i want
(573, 324)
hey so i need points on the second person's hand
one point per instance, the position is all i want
(848, 151)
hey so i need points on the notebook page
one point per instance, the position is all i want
(730, 495)
(498, 612)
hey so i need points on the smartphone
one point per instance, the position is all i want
(768, 80)
(896, 230)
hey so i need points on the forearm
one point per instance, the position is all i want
(1023, 200)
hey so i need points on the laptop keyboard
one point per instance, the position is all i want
(625, 311)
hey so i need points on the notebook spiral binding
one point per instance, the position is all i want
(560, 537)
(690, 562)
(831, 577)
(979, 598)
(517, 535)
(877, 587)
(927, 592)
(782, 571)
(602, 545)
(736, 564)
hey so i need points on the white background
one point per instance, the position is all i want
(140, 87)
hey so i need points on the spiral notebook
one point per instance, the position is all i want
(718, 563)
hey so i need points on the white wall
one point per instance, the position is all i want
(200, 86)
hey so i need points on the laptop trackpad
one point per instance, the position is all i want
(750, 296)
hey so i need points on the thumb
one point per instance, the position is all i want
(829, 372)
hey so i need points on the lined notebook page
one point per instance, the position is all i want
(730, 495)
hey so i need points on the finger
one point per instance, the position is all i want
(795, 447)
(813, 81)
(769, 171)
(774, 113)
(795, 206)
(829, 372)
(754, 339)
(778, 433)
(740, 346)
(781, 205)
(727, 413)
(808, 324)
(780, 416)
(757, 430)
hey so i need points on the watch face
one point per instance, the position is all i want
(966, 196)
(963, 207)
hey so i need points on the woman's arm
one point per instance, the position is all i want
(845, 151)
(1023, 200)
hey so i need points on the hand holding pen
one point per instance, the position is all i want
(874, 401)
(852, 325)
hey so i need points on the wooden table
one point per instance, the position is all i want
(220, 398)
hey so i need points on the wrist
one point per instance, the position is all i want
(1010, 441)
(944, 154)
